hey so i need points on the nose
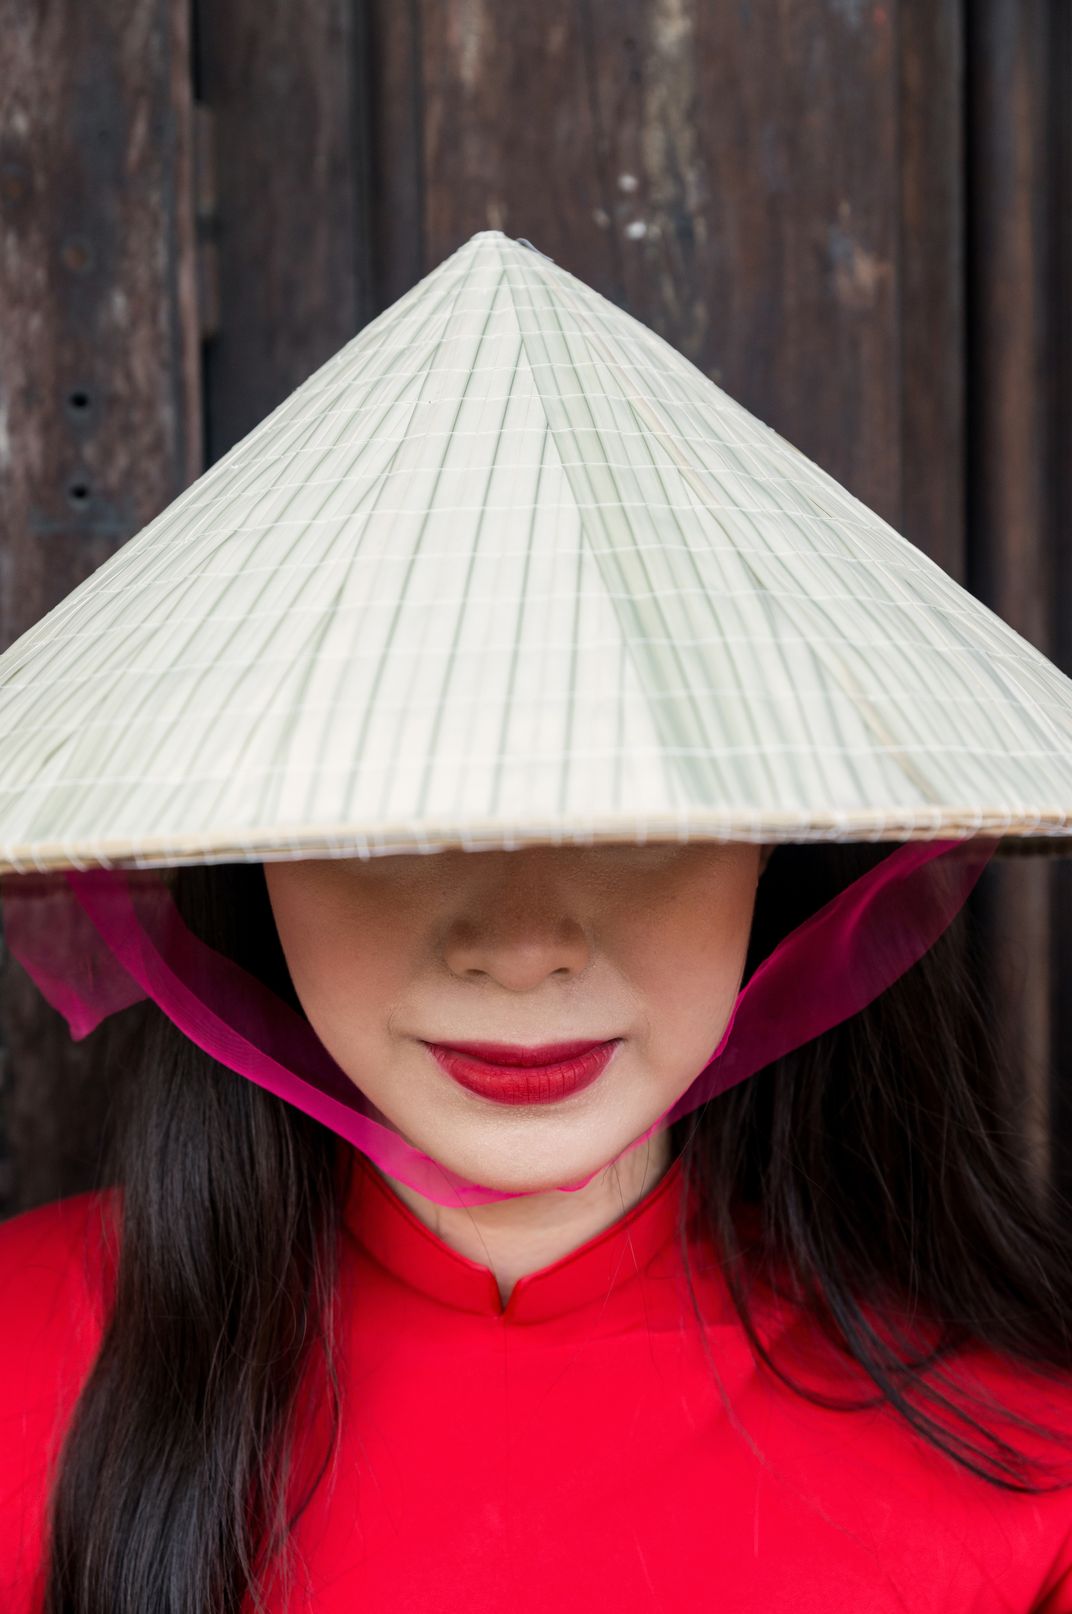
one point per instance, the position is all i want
(518, 935)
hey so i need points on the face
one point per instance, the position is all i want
(645, 944)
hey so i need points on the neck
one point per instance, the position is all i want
(513, 1237)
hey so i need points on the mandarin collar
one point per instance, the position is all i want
(388, 1230)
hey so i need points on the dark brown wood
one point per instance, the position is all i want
(931, 253)
(291, 246)
(931, 314)
(1011, 561)
(207, 220)
(395, 136)
(727, 173)
(1059, 416)
(99, 357)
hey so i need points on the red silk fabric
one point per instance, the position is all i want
(589, 1445)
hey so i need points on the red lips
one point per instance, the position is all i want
(510, 1074)
(512, 1053)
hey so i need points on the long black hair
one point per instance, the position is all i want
(877, 1172)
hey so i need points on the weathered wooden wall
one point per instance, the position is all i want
(100, 395)
(844, 211)
(1018, 388)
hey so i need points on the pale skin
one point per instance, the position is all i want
(536, 945)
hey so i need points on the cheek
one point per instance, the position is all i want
(690, 954)
(343, 955)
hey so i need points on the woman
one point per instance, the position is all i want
(518, 1394)
(504, 1340)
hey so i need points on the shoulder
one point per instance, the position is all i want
(940, 1528)
(1024, 1537)
(56, 1273)
(56, 1265)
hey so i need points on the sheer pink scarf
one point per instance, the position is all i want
(96, 941)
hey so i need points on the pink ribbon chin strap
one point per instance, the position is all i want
(96, 941)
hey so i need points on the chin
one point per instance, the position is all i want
(490, 1169)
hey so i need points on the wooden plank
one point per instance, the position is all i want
(1059, 415)
(99, 355)
(290, 161)
(499, 152)
(727, 173)
(1010, 560)
(930, 48)
(931, 145)
(395, 120)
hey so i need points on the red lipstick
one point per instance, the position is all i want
(511, 1074)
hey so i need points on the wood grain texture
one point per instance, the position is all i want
(291, 242)
(394, 125)
(1059, 399)
(728, 174)
(1014, 546)
(99, 358)
(931, 255)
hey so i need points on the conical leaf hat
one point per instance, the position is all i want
(509, 569)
